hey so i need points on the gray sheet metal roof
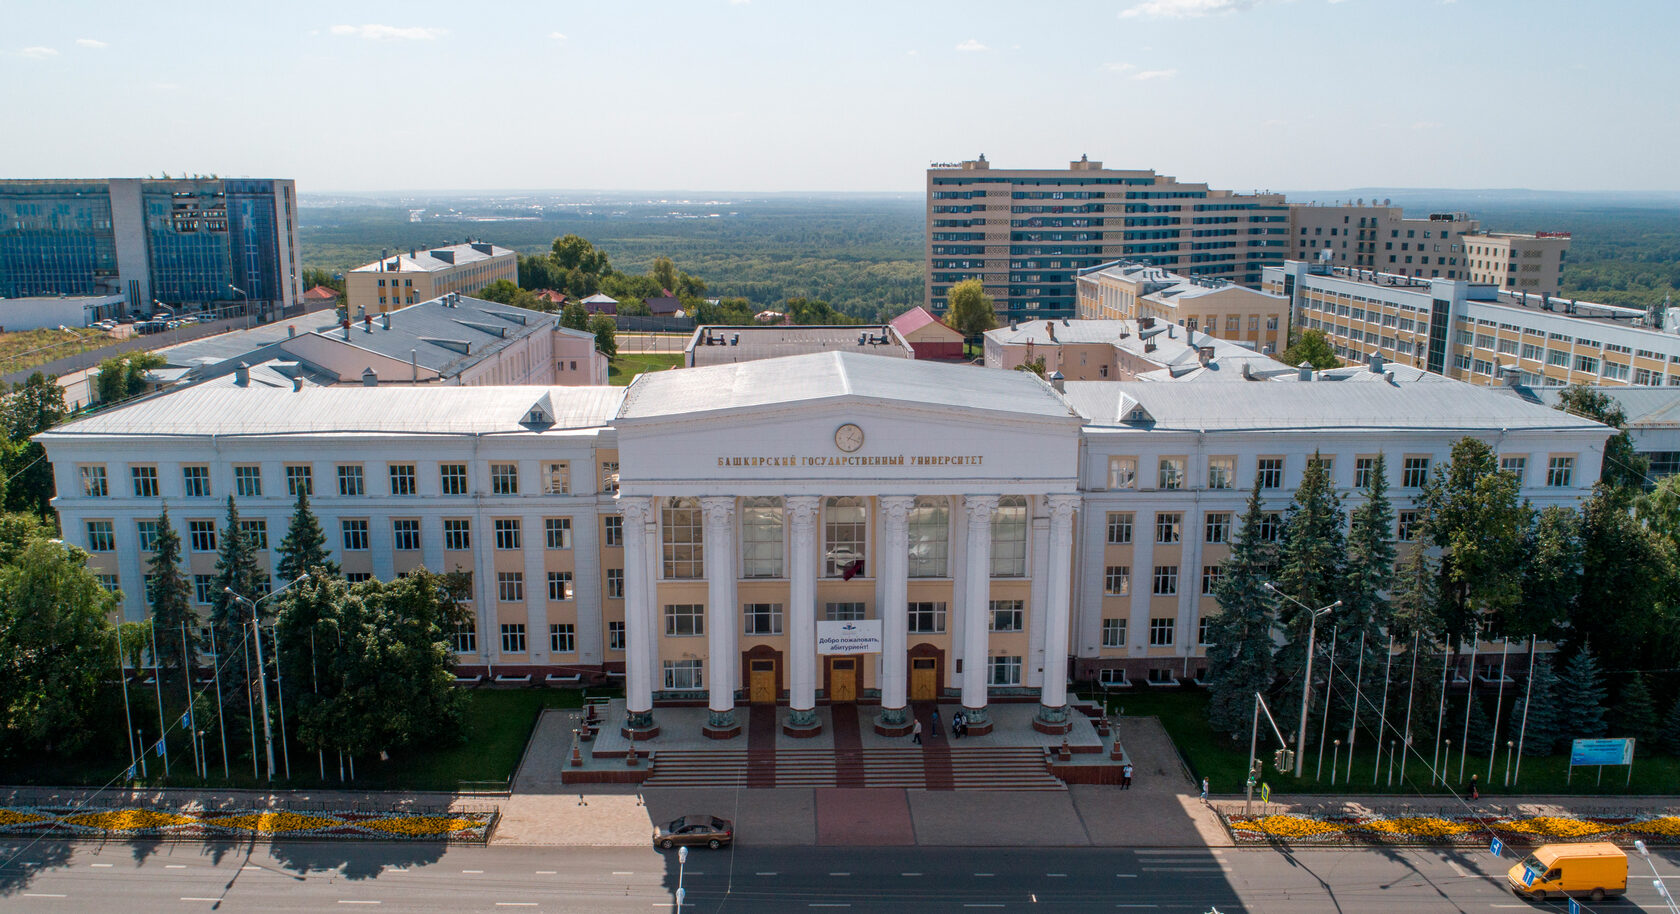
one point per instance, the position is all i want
(830, 375)
(423, 261)
(745, 343)
(1646, 407)
(228, 411)
(1313, 405)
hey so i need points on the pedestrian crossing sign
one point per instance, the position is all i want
(1496, 846)
(1265, 793)
(1574, 906)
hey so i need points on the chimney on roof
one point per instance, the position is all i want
(1058, 382)
(1050, 328)
(367, 323)
(361, 310)
(1145, 322)
(383, 254)
(345, 326)
(297, 383)
(291, 331)
(1012, 324)
(1204, 354)
(242, 375)
(1376, 363)
(1510, 376)
(369, 377)
(1306, 371)
(385, 320)
(414, 366)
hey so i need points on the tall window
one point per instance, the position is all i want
(1406, 529)
(1210, 578)
(504, 479)
(1216, 528)
(613, 531)
(452, 478)
(1009, 537)
(1362, 469)
(1169, 527)
(1122, 472)
(1117, 580)
(1171, 473)
(513, 638)
(300, 476)
(927, 618)
(1166, 580)
(247, 481)
(1006, 615)
(683, 541)
(557, 478)
(1222, 472)
(844, 612)
(93, 481)
(256, 533)
(615, 583)
(557, 532)
(457, 533)
(355, 534)
(510, 586)
(1003, 671)
(1414, 472)
(402, 479)
(195, 481)
(1119, 527)
(562, 637)
(148, 532)
(507, 533)
(930, 537)
(761, 537)
(1271, 526)
(405, 535)
(560, 585)
(466, 637)
(684, 619)
(845, 536)
(145, 481)
(1161, 632)
(202, 535)
(101, 536)
(1114, 633)
(350, 480)
(683, 675)
(615, 636)
(1559, 471)
(1516, 466)
(1270, 470)
(762, 618)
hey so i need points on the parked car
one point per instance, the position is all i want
(710, 831)
(1593, 870)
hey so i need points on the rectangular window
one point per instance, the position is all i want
(557, 532)
(1122, 472)
(355, 534)
(609, 477)
(1414, 472)
(1271, 527)
(1117, 580)
(562, 637)
(1114, 633)
(405, 535)
(615, 583)
(1328, 463)
(466, 638)
(1210, 578)
(195, 481)
(762, 618)
(685, 619)
(557, 479)
(683, 675)
(507, 533)
(402, 478)
(615, 636)
(1006, 615)
(504, 479)
(761, 538)
(202, 535)
(1559, 471)
(109, 582)
(148, 531)
(1161, 632)
(1169, 527)
(457, 533)
(93, 481)
(559, 585)
(452, 478)
(1119, 527)
(101, 538)
(350, 480)
(1516, 466)
(1222, 472)
(145, 481)
(513, 637)
(300, 477)
(1270, 470)
(1406, 530)
(1203, 632)
(1003, 671)
(204, 589)
(1166, 581)
(510, 586)
(247, 481)
(1170, 473)
(1217, 527)
(614, 531)
(682, 542)
(927, 618)
(256, 533)
(844, 612)
(1362, 468)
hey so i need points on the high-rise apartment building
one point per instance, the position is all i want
(189, 243)
(1026, 233)
(396, 281)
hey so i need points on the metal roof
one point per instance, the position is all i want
(1646, 407)
(429, 261)
(745, 343)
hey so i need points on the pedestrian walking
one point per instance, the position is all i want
(1475, 789)
(1126, 776)
(916, 732)
(935, 718)
(957, 721)
(1204, 790)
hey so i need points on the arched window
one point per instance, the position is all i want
(1009, 537)
(845, 536)
(681, 532)
(930, 537)
(761, 537)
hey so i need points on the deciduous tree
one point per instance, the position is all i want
(969, 310)
(56, 648)
(1473, 514)
(1312, 347)
(606, 339)
(1622, 469)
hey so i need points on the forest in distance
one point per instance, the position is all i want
(862, 253)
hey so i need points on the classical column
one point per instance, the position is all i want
(1052, 707)
(893, 557)
(977, 593)
(639, 636)
(802, 616)
(722, 615)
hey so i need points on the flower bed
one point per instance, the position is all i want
(71, 821)
(1291, 828)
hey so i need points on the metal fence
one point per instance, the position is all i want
(641, 323)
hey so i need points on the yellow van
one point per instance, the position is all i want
(1584, 870)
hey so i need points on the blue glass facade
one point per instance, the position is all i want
(56, 239)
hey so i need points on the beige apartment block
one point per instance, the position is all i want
(1517, 262)
(1238, 314)
(421, 275)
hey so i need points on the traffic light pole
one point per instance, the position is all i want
(1254, 764)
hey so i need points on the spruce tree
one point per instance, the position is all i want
(1240, 652)
(1580, 696)
(1310, 570)
(1635, 714)
(1669, 736)
(1535, 717)
(171, 600)
(1369, 575)
(236, 570)
(1416, 629)
(1482, 733)
(305, 546)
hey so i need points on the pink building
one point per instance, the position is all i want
(929, 338)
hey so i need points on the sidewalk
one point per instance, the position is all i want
(191, 800)
(1334, 805)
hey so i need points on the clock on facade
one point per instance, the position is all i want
(848, 437)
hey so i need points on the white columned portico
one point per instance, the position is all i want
(640, 638)
(722, 648)
(1052, 714)
(802, 616)
(977, 594)
(893, 557)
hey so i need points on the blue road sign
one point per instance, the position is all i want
(1496, 846)
(1529, 875)
(1574, 906)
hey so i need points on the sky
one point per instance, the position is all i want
(800, 95)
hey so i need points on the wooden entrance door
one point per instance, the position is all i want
(924, 678)
(761, 682)
(843, 676)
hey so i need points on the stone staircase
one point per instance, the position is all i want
(980, 768)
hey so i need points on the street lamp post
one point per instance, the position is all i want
(262, 676)
(682, 863)
(1656, 878)
(1306, 684)
(247, 298)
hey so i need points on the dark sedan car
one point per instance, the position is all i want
(711, 831)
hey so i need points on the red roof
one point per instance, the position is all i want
(550, 295)
(914, 319)
(321, 293)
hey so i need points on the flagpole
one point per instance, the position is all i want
(1441, 714)
(186, 681)
(280, 695)
(1382, 718)
(128, 717)
(157, 685)
(250, 707)
(1528, 697)
(1329, 683)
(315, 684)
(1498, 706)
(1358, 689)
(1469, 701)
(1411, 685)
(221, 718)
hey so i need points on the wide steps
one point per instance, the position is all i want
(1012, 768)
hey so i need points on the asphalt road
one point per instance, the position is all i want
(321, 876)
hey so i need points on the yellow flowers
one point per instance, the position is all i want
(1286, 826)
(1308, 829)
(463, 825)
(1419, 826)
(1666, 826)
(1554, 827)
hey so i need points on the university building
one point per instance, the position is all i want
(395, 281)
(833, 527)
(1238, 314)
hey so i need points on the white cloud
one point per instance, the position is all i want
(557, 36)
(1155, 74)
(91, 43)
(389, 32)
(972, 45)
(1118, 67)
(39, 53)
(1185, 9)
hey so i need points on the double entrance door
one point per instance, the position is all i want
(845, 678)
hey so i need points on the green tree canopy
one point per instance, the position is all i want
(56, 648)
(305, 546)
(124, 376)
(1240, 650)
(969, 310)
(1551, 581)
(1472, 513)
(1635, 714)
(1622, 468)
(664, 272)
(574, 316)
(171, 600)
(31, 408)
(1626, 606)
(1310, 569)
(606, 339)
(1580, 696)
(1312, 347)
(1536, 718)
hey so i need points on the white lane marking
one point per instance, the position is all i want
(472, 871)
(985, 874)
(623, 873)
(986, 905)
(1125, 875)
(766, 874)
(545, 872)
(102, 864)
(250, 867)
(830, 904)
(909, 874)
(40, 895)
(345, 901)
(516, 904)
(174, 866)
(1461, 871)
(396, 869)
(1137, 905)
(839, 874)
(197, 898)
(1057, 875)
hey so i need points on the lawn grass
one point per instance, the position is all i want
(27, 348)
(1224, 761)
(499, 724)
(623, 369)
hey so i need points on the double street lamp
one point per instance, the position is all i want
(1306, 682)
(262, 676)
